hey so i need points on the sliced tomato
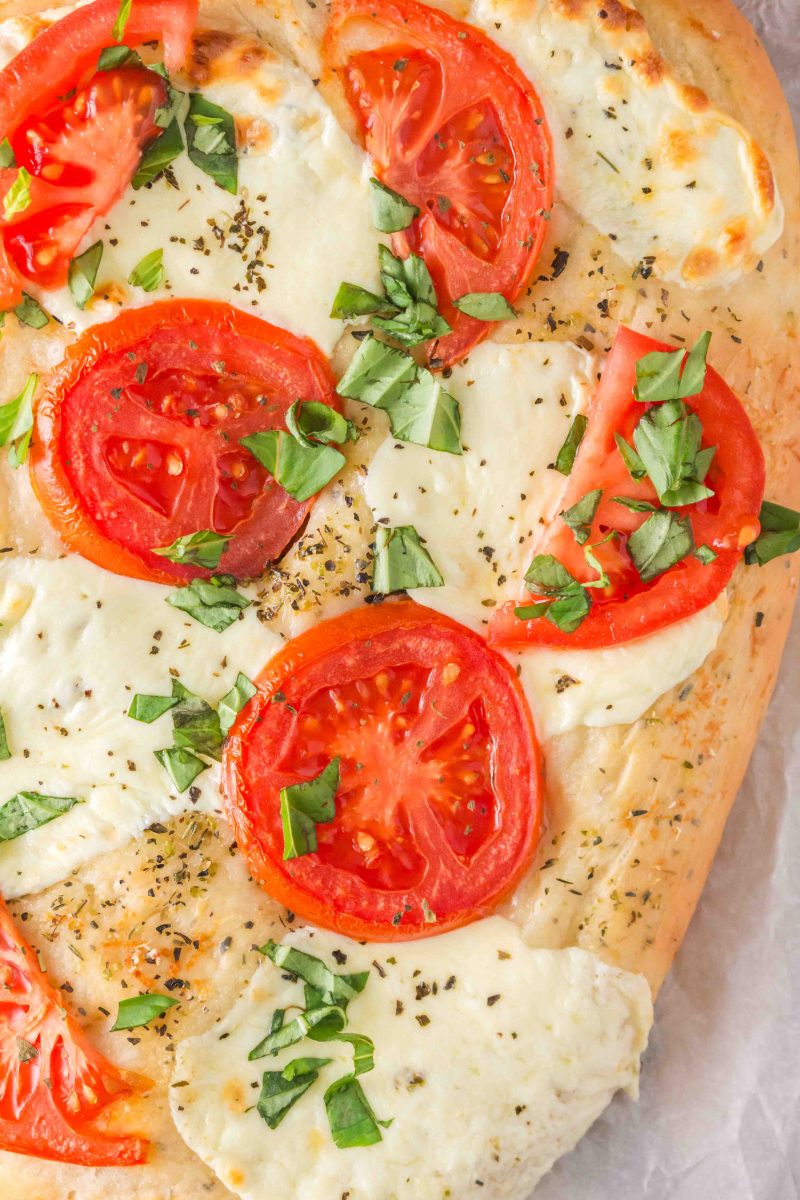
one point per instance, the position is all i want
(454, 126)
(79, 133)
(136, 437)
(439, 807)
(726, 522)
(53, 1082)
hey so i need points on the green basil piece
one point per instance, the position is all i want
(16, 422)
(306, 805)
(114, 57)
(234, 701)
(402, 562)
(565, 459)
(301, 470)
(485, 306)
(213, 602)
(158, 155)
(631, 459)
(312, 422)
(18, 196)
(29, 810)
(280, 1092)
(294, 1031)
(706, 555)
(662, 541)
(780, 534)
(570, 601)
(547, 575)
(202, 549)
(363, 1051)
(580, 516)
(331, 987)
(149, 708)
(29, 312)
(181, 765)
(5, 753)
(640, 506)
(83, 273)
(406, 280)
(7, 157)
(195, 723)
(211, 142)
(668, 441)
(148, 274)
(123, 16)
(352, 1121)
(352, 301)
(694, 370)
(303, 1066)
(141, 1010)
(391, 212)
(570, 608)
(419, 322)
(531, 612)
(672, 375)
(377, 375)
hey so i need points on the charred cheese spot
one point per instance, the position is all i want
(678, 148)
(218, 55)
(649, 68)
(700, 265)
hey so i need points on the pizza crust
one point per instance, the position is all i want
(633, 880)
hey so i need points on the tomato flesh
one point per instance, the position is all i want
(725, 522)
(438, 810)
(53, 1083)
(452, 125)
(137, 438)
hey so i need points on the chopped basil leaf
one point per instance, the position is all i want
(566, 455)
(547, 575)
(303, 1066)
(18, 196)
(7, 158)
(352, 1121)
(313, 422)
(602, 580)
(694, 372)
(234, 701)
(409, 286)
(668, 439)
(118, 56)
(570, 602)
(29, 810)
(294, 1031)
(419, 322)
(402, 562)
(531, 612)
(302, 470)
(391, 212)
(141, 1010)
(5, 753)
(351, 301)
(181, 765)
(123, 16)
(634, 505)
(570, 608)
(148, 274)
(306, 805)
(332, 988)
(213, 602)
(195, 723)
(211, 142)
(363, 1051)
(83, 273)
(780, 534)
(149, 708)
(16, 422)
(659, 376)
(279, 1092)
(378, 374)
(630, 458)
(202, 549)
(580, 517)
(662, 541)
(485, 306)
(29, 312)
(705, 555)
(159, 154)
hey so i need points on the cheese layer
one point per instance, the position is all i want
(491, 1060)
(76, 644)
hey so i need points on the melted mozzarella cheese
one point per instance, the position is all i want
(522, 1049)
(76, 644)
(566, 688)
(680, 187)
(300, 224)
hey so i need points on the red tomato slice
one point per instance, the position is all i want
(136, 438)
(726, 522)
(439, 807)
(83, 151)
(454, 126)
(53, 1082)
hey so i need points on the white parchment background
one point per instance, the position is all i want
(719, 1114)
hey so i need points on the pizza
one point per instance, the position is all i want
(398, 443)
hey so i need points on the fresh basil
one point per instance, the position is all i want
(30, 810)
(280, 1090)
(114, 57)
(706, 555)
(580, 516)
(410, 289)
(301, 469)
(312, 422)
(195, 723)
(83, 273)
(303, 1066)
(213, 602)
(141, 1010)
(565, 460)
(391, 212)
(149, 708)
(148, 274)
(182, 766)
(16, 422)
(485, 306)
(7, 156)
(202, 549)
(419, 322)
(306, 805)
(639, 506)
(402, 562)
(663, 540)
(159, 154)
(123, 16)
(694, 371)
(5, 753)
(635, 466)
(211, 142)
(780, 534)
(363, 1051)
(333, 988)
(668, 441)
(569, 603)
(378, 374)
(294, 1031)
(352, 300)
(352, 1121)
(18, 196)
(30, 312)
(234, 701)
(662, 375)
(547, 575)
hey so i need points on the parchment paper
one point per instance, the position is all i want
(719, 1114)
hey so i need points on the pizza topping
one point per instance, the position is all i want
(30, 312)
(402, 562)
(485, 306)
(566, 455)
(83, 274)
(136, 1011)
(5, 753)
(444, 824)
(16, 422)
(211, 142)
(148, 274)
(303, 460)
(202, 549)
(121, 21)
(214, 602)
(29, 810)
(306, 805)
(780, 534)
(407, 312)
(234, 701)
(391, 212)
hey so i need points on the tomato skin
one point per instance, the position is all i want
(66, 454)
(725, 522)
(428, 862)
(52, 1120)
(482, 218)
(62, 55)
